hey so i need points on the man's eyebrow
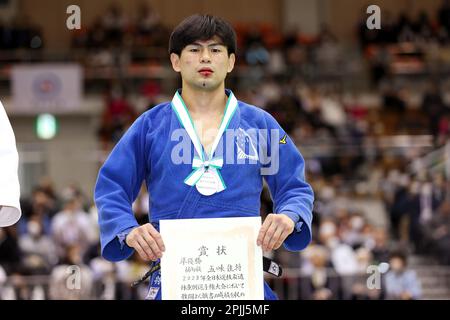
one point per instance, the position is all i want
(209, 45)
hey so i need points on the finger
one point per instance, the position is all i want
(268, 236)
(283, 237)
(146, 248)
(275, 238)
(130, 238)
(263, 230)
(141, 251)
(156, 236)
(151, 243)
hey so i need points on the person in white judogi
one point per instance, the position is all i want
(10, 210)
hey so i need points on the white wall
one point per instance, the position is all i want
(304, 14)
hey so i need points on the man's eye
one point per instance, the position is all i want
(215, 50)
(193, 50)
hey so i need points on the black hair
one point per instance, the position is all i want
(202, 27)
(399, 254)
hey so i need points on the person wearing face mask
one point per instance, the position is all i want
(38, 248)
(10, 210)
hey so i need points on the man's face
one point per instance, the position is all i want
(204, 64)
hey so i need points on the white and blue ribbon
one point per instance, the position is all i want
(201, 163)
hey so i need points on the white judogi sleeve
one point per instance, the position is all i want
(10, 211)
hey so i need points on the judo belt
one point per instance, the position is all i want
(269, 266)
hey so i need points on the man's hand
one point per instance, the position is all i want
(274, 231)
(146, 241)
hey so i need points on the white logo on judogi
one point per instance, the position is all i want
(242, 139)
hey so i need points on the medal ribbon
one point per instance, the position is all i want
(201, 164)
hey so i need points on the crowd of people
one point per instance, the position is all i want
(57, 236)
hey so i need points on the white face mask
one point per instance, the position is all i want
(327, 229)
(357, 223)
(332, 242)
(34, 229)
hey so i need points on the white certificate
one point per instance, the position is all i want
(212, 259)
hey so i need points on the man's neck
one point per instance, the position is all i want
(204, 102)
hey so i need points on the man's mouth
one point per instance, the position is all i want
(205, 72)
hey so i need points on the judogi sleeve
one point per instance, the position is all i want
(10, 210)
(118, 184)
(291, 194)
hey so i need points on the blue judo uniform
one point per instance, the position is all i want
(146, 152)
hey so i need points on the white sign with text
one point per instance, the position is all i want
(212, 259)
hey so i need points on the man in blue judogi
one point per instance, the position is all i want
(203, 155)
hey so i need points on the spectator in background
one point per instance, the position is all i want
(96, 38)
(41, 207)
(380, 250)
(401, 283)
(47, 186)
(437, 233)
(72, 226)
(147, 24)
(444, 129)
(444, 17)
(295, 53)
(433, 107)
(387, 34)
(322, 282)
(351, 234)
(117, 116)
(256, 53)
(405, 31)
(38, 249)
(380, 64)
(413, 211)
(399, 207)
(71, 280)
(328, 52)
(114, 23)
(393, 100)
(104, 276)
(359, 290)
(10, 253)
(422, 27)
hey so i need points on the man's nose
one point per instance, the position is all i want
(205, 56)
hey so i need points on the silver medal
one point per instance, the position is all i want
(208, 183)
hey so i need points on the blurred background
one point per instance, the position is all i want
(368, 109)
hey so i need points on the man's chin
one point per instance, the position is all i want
(207, 85)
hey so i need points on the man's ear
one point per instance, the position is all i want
(231, 61)
(175, 59)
